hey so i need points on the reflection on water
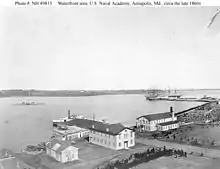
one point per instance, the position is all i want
(20, 125)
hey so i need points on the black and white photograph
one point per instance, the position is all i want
(109, 85)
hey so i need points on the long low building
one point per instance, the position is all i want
(153, 122)
(70, 132)
(168, 125)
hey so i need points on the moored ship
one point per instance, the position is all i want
(68, 118)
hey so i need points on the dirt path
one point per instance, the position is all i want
(211, 153)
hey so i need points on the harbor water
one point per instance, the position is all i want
(31, 124)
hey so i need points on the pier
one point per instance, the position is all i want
(196, 107)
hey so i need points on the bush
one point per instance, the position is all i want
(144, 157)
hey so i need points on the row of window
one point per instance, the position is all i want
(102, 141)
(107, 135)
(76, 135)
(102, 134)
(155, 121)
(170, 126)
(126, 135)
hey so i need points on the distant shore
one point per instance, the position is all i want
(80, 93)
(65, 93)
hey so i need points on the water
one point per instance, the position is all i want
(21, 125)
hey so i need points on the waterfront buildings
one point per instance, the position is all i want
(113, 136)
(62, 151)
(159, 121)
(70, 132)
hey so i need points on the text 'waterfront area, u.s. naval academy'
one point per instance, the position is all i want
(95, 3)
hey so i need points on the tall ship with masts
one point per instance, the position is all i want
(152, 94)
(167, 94)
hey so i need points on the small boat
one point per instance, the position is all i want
(28, 103)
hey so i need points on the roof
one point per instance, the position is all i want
(112, 129)
(168, 123)
(157, 116)
(83, 123)
(58, 145)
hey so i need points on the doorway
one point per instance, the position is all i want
(126, 144)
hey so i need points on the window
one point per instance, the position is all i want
(131, 134)
(105, 142)
(119, 136)
(101, 141)
(126, 136)
(109, 143)
(131, 141)
(98, 139)
(119, 144)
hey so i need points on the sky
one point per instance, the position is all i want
(109, 48)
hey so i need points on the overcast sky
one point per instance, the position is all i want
(109, 48)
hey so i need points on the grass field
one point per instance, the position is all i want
(190, 162)
(206, 135)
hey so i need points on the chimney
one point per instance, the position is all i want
(171, 111)
(107, 129)
(68, 114)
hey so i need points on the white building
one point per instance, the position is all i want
(167, 125)
(70, 132)
(61, 151)
(114, 136)
(150, 122)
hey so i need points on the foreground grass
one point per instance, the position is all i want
(191, 162)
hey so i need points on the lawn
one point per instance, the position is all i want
(206, 132)
(190, 162)
(201, 135)
(89, 152)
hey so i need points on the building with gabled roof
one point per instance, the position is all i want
(62, 151)
(157, 116)
(158, 121)
(113, 136)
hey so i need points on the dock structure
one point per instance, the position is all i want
(196, 107)
(167, 120)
